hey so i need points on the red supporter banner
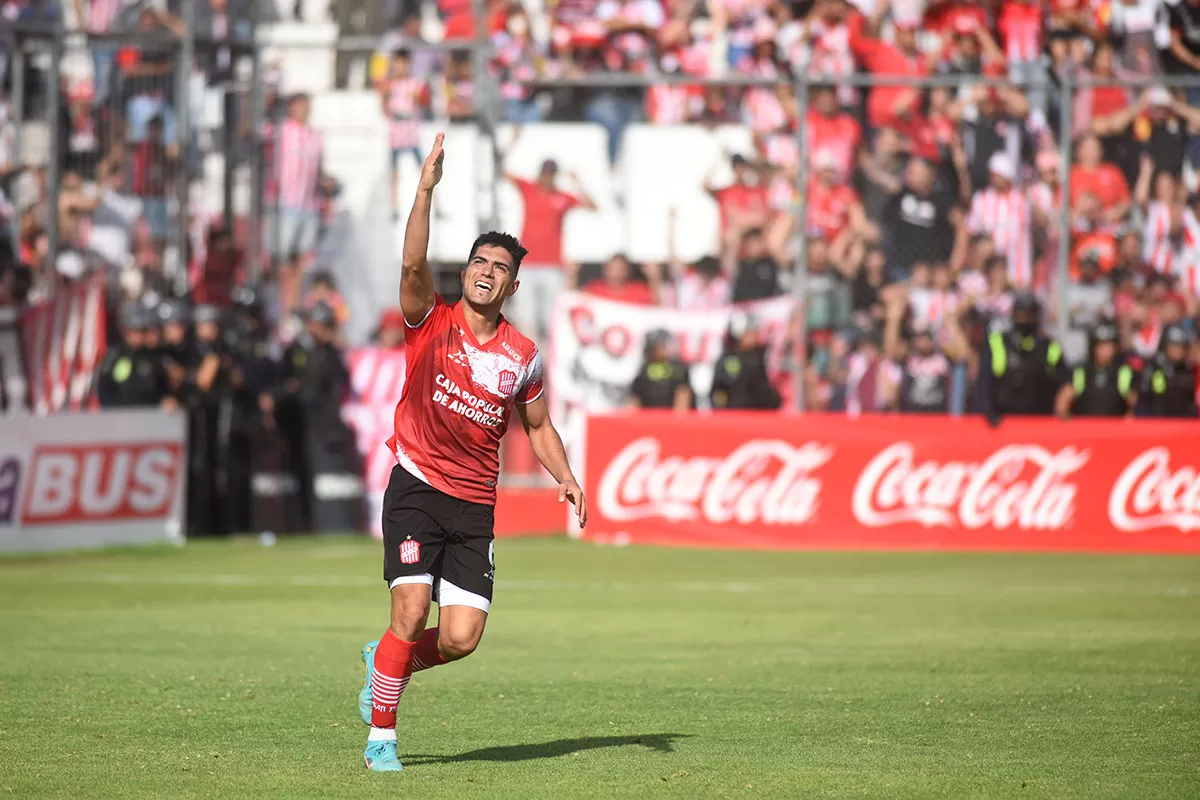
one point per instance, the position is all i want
(64, 340)
(770, 481)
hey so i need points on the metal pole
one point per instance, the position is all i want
(18, 104)
(184, 64)
(254, 229)
(800, 276)
(53, 168)
(485, 102)
(1066, 103)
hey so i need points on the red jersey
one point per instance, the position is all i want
(1106, 181)
(544, 215)
(829, 209)
(456, 401)
(740, 197)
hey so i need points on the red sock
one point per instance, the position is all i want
(425, 654)
(393, 666)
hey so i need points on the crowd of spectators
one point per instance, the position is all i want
(927, 207)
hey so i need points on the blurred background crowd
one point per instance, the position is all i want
(941, 162)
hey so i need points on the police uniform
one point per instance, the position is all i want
(1020, 370)
(740, 380)
(1102, 391)
(659, 379)
(315, 381)
(1170, 386)
(208, 424)
(254, 375)
(132, 375)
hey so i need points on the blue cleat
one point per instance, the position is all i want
(381, 757)
(364, 697)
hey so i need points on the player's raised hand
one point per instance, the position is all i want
(569, 490)
(431, 173)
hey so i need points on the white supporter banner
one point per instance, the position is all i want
(597, 347)
(75, 481)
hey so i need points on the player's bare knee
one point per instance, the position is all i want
(406, 628)
(408, 620)
(454, 646)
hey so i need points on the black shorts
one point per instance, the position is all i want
(431, 537)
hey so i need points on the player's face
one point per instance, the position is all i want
(488, 279)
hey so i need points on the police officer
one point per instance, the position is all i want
(662, 382)
(740, 379)
(252, 423)
(1102, 386)
(132, 374)
(207, 390)
(315, 382)
(175, 346)
(1020, 370)
(1169, 381)
(924, 377)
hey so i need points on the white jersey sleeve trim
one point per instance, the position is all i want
(531, 399)
(424, 319)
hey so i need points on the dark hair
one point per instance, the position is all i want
(504, 240)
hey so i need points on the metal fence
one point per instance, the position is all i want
(128, 145)
(194, 146)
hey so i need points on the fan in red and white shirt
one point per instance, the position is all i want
(734, 20)
(1183, 261)
(822, 44)
(1003, 212)
(703, 287)
(835, 212)
(292, 194)
(894, 106)
(832, 130)
(632, 27)
(403, 98)
(672, 104)
(744, 203)
(1020, 23)
(617, 283)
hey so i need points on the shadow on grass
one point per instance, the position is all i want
(662, 742)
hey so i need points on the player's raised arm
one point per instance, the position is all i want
(416, 279)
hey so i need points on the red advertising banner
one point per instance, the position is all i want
(775, 481)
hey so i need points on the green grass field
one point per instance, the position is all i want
(232, 670)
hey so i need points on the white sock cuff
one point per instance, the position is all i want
(381, 734)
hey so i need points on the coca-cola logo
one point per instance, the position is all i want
(763, 481)
(1147, 494)
(1022, 485)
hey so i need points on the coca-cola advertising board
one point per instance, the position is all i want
(775, 481)
(84, 480)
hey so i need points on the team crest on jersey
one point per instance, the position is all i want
(410, 552)
(508, 379)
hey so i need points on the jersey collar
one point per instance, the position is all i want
(461, 321)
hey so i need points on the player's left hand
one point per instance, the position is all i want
(569, 490)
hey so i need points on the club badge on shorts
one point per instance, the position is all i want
(410, 552)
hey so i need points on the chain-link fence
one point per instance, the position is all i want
(888, 204)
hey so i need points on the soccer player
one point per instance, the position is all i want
(467, 368)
